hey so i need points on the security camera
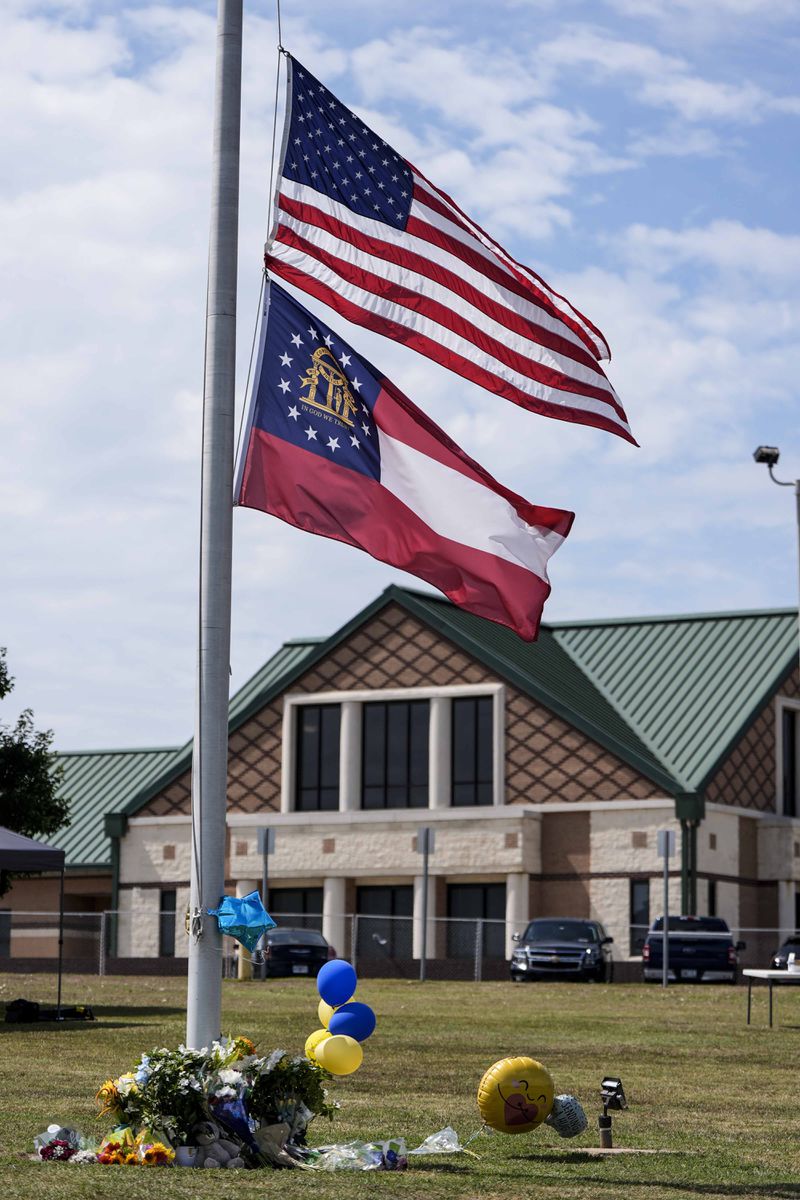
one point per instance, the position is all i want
(767, 454)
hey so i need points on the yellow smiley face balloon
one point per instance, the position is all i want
(515, 1095)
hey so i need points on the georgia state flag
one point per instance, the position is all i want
(333, 447)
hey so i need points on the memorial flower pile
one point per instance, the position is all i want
(222, 1106)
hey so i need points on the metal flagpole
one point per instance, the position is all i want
(210, 759)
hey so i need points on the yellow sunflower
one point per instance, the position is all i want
(158, 1155)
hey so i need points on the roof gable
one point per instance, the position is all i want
(688, 685)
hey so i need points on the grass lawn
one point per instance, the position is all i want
(721, 1097)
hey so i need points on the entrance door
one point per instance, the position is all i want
(469, 903)
(384, 921)
(296, 907)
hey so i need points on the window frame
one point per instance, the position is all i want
(439, 796)
(475, 783)
(296, 754)
(385, 786)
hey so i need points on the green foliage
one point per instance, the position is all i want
(171, 1091)
(29, 777)
(6, 682)
(281, 1084)
(172, 1094)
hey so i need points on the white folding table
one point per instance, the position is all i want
(770, 978)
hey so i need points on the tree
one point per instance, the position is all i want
(29, 777)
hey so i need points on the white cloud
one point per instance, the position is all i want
(526, 154)
(710, 11)
(660, 79)
(728, 246)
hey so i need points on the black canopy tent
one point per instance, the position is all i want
(18, 853)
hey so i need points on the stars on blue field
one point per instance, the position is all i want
(315, 392)
(332, 151)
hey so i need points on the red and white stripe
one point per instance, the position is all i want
(445, 288)
(435, 513)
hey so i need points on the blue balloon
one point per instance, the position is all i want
(243, 918)
(336, 982)
(356, 1020)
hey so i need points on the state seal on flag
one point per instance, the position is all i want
(329, 388)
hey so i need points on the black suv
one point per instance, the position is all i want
(780, 959)
(701, 949)
(562, 947)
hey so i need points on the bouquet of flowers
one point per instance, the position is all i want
(215, 1099)
(291, 1089)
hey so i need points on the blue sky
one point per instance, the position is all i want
(640, 154)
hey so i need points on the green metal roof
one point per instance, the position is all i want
(687, 684)
(668, 695)
(97, 782)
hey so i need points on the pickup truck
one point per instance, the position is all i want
(701, 950)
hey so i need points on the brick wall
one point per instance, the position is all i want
(747, 776)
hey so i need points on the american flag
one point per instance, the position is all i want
(361, 229)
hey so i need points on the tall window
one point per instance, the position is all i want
(711, 908)
(473, 757)
(395, 754)
(166, 923)
(639, 914)
(790, 761)
(317, 760)
(477, 912)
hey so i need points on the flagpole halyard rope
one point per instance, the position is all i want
(250, 366)
(281, 52)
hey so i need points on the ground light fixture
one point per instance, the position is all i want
(612, 1094)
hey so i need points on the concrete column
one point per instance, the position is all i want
(144, 922)
(430, 949)
(517, 906)
(334, 917)
(786, 889)
(439, 752)
(244, 964)
(350, 757)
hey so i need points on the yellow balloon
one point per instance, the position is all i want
(341, 1055)
(313, 1040)
(324, 1012)
(515, 1095)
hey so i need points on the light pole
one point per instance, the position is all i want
(769, 455)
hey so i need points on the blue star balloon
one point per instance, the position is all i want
(243, 918)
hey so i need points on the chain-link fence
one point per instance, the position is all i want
(29, 940)
(148, 940)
